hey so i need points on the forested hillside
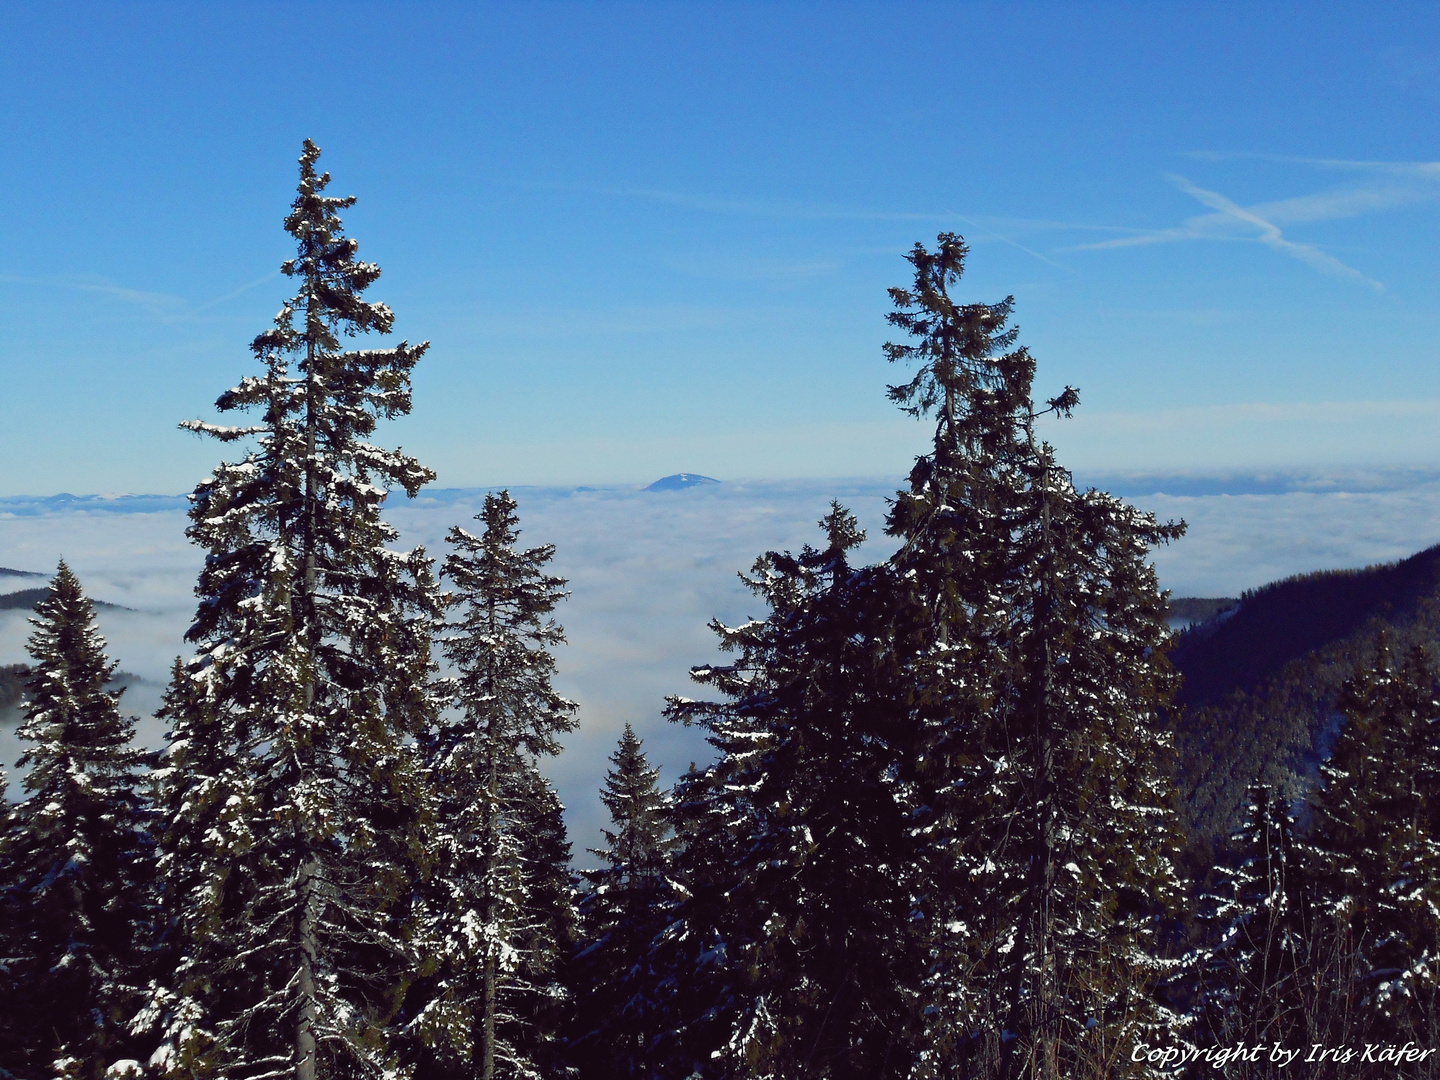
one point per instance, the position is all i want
(1261, 681)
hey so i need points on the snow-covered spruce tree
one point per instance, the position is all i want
(495, 849)
(549, 929)
(77, 860)
(13, 1032)
(630, 896)
(294, 800)
(1376, 862)
(797, 917)
(1256, 983)
(201, 820)
(1029, 633)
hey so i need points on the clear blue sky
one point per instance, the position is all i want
(646, 239)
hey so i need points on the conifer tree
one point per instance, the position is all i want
(797, 911)
(1376, 859)
(294, 800)
(1257, 982)
(630, 896)
(76, 858)
(549, 927)
(1029, 633)
(14, 1032)
(500, 842)
(201, 821)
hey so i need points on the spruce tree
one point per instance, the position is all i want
(1029, 632)
(499, 845)
(797, 915)
(202, 819)
(1256, 983)
(13, 1029)
(76, 869)
(549, 927)
(1376, 858)
(630, 897)
(295, 804)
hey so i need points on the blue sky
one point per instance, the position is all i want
(653, 238)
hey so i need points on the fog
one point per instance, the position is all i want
(649, 570)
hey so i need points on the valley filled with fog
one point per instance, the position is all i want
(649, 569)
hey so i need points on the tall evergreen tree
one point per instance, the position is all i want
(295, 802)
(797, 913)
(500, 842)
(549, 927)
(1257, 982)
(76, 858)
(1376, 858)
(1030, 633)
(630, 896)
(202, 819)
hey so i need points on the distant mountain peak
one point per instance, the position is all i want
(680, 481)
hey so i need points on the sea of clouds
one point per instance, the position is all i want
(649, 570)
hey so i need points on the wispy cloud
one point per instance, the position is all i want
(794, 209)
(237, 292)
(1425, 170)
(1012, 242)
(163, 307)
(1261, 223)
(1384, 186)
(799, 210)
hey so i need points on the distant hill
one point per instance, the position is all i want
(12, 684)
(680, 481)
(28, 598)
(13, 676)
(1186, 611)
(1261, 679)
(25, 598)
(35, 505)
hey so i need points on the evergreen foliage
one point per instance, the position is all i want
(1257, 984)
(625, 909)
(796, 913)
(1030, 638)
(1262, 684)
(1330, 938)
(549, 929)
(294, 802)
(1376, 861)
(200, 817)
(503, 903)
(76, 858)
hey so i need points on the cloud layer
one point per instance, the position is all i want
(648, 571)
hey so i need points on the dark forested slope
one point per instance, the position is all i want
(1262, 678)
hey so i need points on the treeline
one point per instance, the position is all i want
(938, 839)
(1323, 926)
(1262, 686)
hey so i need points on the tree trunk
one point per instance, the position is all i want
(1045, 798)
(1041, 1057)
(492, 855)
(312, 392)
(487, 1063)
(308, 1012)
